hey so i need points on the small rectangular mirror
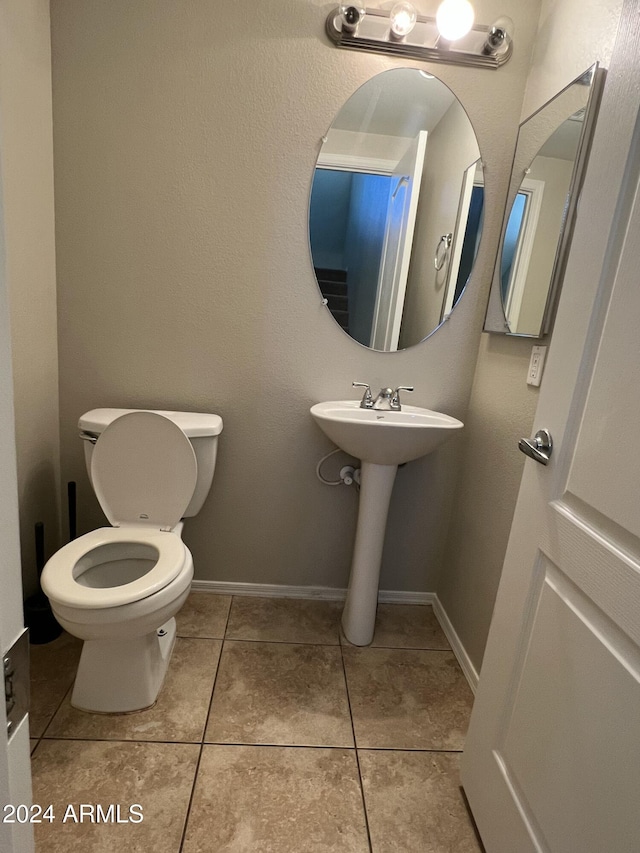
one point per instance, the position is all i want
(548, 170)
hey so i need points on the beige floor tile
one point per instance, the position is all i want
(179, 714)
(285, 620)
(414, 803)
(408, 626)
(276, 693)
(204, 614)
(158, 777)
(407, 699)
(33, 742)
(252, 799)
(52, 668)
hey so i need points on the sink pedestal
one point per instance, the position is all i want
(382, 439)
(359, 615)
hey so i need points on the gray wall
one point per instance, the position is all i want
(28, 255)
(184, 151)
(501, 410)
(502, 406)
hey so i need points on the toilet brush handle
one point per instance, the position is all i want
(71, 500)
(39, 532)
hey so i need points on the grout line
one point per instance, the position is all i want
(282, 643)
(279, 745)
(349, 645)
(189, 637)
(189, 804)
(325, 644)
(260, 745)
(334, 746)
(355, 744)
(202, 741)
(66, 693)
(226, 624)
(122, 740)
(410, 749)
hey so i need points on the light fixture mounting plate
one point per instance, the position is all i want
(423, 42)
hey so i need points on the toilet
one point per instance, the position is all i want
(118, 588)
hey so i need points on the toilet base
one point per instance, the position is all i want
(120, 676)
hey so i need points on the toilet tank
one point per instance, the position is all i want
(201, 429)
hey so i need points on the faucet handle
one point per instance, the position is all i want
(367, 399)
(395, 400)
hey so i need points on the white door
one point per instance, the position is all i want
(15, 773)
(398, 240)
(552, 760)
(473, 176)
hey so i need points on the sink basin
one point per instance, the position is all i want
(383, 437)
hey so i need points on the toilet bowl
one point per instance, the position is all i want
(118, 588)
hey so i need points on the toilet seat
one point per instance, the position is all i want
(110, 544)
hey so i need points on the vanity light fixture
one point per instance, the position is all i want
(402, 32)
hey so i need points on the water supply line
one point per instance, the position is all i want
(349, 475)
(319, 473)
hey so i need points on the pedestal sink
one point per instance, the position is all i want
(382, 440)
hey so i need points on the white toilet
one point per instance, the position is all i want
(118, 588)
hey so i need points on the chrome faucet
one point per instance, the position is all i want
(387, 399)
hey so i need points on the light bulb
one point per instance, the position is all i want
(351, 15)
(403, 19)
(454, 19)
(500, 36)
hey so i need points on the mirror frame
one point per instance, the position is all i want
(495, 318)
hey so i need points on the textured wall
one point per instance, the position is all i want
(572, 35)
(184, 152)
(502, 406)
(27, 177)
(501, 411)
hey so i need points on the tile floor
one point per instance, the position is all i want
(272, 734)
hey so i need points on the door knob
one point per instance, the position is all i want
(539, 447)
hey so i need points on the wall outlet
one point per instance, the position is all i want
(536, 365)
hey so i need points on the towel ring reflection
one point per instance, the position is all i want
(442, 250)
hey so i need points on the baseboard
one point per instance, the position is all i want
(400, 596)
(322, 593)
(471, 673)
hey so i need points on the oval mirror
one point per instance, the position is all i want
(396, 208)
(549, 165)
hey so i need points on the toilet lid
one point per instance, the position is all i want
(144, 471)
